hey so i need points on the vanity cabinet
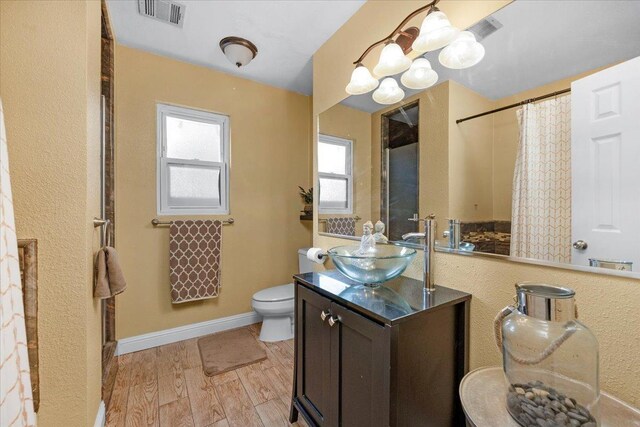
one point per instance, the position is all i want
(362, 362)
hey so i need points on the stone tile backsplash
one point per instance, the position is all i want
(489, 236)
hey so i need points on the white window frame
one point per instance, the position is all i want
(328, 139)
(163, 162)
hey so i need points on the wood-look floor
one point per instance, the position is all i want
(166, 386)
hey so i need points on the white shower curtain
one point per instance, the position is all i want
(541, 206)
(16, 403)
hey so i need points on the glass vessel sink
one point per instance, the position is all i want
(384, 263)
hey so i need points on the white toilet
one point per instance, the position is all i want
(276, 305)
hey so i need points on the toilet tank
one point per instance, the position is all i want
(304, 265)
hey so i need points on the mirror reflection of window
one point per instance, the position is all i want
(335, 175)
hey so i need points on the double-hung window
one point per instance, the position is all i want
(193, 161)
(335, 167)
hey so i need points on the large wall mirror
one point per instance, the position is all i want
(533, 153)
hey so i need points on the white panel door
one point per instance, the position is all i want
(605, 164)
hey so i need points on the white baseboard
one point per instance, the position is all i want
(101, 416)
(168, 336)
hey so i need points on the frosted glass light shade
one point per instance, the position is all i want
(388, 93)
(420, 75)
(392, 61)
(463, 52)
(238, 54)
(361, 81)
(436, 32)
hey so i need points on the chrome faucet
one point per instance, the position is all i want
(429, 237)
(453, 234)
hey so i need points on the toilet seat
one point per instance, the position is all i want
(275, 294)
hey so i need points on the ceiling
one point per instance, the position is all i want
(540, 42)
(287, 34)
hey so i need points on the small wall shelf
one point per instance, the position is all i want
(306, 217)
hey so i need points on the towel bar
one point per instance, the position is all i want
(357, 218)
(156, 222)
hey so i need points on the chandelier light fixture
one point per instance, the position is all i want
(461, 50)
(392, 61)
(436, 32)
(420, 75)
(389, 92)
(361, 81)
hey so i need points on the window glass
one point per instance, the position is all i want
(332, 158)
(193, 140)
(334, 193)
(194, 186)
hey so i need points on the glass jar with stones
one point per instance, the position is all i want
(550, 359)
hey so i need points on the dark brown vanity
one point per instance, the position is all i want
(387, 356)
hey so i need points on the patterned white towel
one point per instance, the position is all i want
(16, 402)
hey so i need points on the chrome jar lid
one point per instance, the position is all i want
(546, 302)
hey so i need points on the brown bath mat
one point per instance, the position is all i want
(229, 350)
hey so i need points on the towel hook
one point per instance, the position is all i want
(105, 224)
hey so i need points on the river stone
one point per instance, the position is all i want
(529, 395)
(562, 417)
(520, 390)
(529, 411)
(577, 416)
(583, 411)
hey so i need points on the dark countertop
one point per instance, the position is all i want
(394, 302)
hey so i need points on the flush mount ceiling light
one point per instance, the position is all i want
(420, 75)
(388, 93)
(361, 81)
(461, 51)
(238, 51)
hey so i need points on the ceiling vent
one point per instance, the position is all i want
(163, 10)
(485, 28)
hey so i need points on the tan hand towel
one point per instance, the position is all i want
(109, 277)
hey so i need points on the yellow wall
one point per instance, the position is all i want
(349, 123)
(270, 140)
(470, 156)
(50, 87)
(609, 305)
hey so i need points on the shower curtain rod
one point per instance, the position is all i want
(526, 101)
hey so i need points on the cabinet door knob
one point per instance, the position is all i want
(324, 314)
(333, 320)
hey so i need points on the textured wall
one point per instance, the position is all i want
(609, 305)
(270, 139)
(470, 156)
(50, 87)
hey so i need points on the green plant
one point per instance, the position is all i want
(306, 195)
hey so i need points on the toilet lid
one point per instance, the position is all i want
(277, 293)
